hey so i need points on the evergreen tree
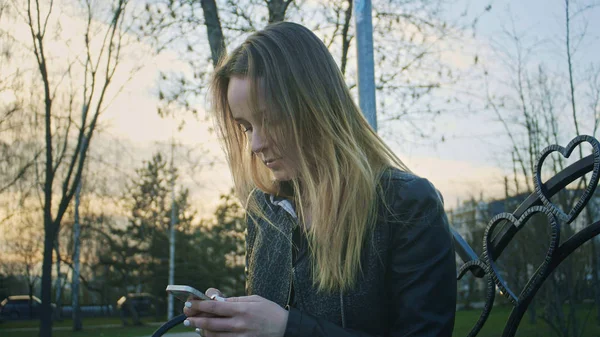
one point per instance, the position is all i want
(207, 254)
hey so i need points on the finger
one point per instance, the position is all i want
(208, 333)
(210, 292)
(190, 310)
(240, 299)
(193, 313)
(224, 309)
(215, 324)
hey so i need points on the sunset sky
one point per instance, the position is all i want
(469, 162)
(466, 164)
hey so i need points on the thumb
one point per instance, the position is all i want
(214, 293)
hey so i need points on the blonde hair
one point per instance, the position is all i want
(308, 110)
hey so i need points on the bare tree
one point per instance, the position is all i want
(187, 26)
(337, 14)
(75, 92)
(411, 38)
(532, 107)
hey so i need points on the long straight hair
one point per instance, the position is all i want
(308, 111)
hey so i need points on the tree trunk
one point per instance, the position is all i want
(50, 228)
(30, 288)
(172, 236)
(77, 325)
(46, 313)
(76, 313)
(58, 284)
(213, 29)
(345, 38)
(277, 9)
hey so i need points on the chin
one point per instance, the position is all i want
(282, 175)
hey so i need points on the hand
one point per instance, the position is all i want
(237, 316)
(213, 293)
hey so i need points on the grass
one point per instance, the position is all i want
(464, 321)
(64, 322)
(91, 328)
(97, 332)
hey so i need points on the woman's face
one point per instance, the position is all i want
(238, 96)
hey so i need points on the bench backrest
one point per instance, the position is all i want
(502, 228)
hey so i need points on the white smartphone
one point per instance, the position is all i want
(184, 292)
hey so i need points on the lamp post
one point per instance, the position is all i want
(366, 64)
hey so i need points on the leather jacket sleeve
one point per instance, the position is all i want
(422, 269)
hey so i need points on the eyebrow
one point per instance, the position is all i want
(239, 119)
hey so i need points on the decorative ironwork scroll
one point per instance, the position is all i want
(503, 227)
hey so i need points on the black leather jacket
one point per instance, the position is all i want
(408, 283)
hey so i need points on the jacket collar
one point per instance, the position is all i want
(285, 204)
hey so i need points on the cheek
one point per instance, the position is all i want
(290, 167)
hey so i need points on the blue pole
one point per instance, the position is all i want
(366, 64)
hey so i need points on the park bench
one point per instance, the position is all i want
(502, 229)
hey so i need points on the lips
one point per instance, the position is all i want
(271, 162)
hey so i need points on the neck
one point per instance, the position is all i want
(286, 190)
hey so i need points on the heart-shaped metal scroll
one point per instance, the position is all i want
(489, 297)
(537, 278)
(566, 152)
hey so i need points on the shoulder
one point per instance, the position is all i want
(260, 206)
(257, 202)
(413, 212)
(256, 206)
(402, 190)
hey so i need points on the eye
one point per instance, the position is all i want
(245, 128)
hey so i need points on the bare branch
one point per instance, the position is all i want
(571, 80)
(234, 9)
(81, 277)
(509, 132)
(20, 174)
(47, 16)
(63, 150)
(69, 187)
(595, 98)
(345, 39)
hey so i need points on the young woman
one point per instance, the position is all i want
(342, 239)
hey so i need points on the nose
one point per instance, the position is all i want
(258, 141)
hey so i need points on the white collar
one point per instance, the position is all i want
(285, 204)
